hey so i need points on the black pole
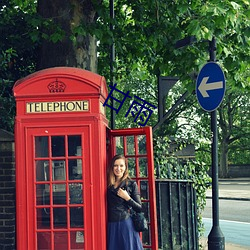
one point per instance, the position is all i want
(112, 61)
(216, 240)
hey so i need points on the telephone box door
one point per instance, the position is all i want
(137, 146)
(59, 188)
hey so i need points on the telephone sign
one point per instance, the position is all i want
(210, 86)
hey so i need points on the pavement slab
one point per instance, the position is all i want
(231, 194)
(228, 246)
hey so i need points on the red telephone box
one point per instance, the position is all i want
(61, 159)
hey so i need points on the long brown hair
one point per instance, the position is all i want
(111, 175)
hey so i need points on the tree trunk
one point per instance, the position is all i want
(223, 166)
(75, 49)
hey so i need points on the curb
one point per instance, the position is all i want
(230, 198)
(243, 179)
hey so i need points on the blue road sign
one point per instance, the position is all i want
(210, 86)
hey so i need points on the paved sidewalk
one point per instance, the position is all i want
(230, 194)
(228, 246)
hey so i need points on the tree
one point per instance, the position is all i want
(69, 39)
(234, 117)
(17, 54)
(233, 120)
(157, 25)
(156, 28)
(145, 34)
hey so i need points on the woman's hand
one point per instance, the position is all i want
(123, 194)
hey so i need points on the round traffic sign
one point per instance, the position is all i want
(210, 86)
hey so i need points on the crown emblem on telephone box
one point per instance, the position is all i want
(56, 86)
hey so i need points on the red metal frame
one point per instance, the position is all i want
(90, 123)
(135, 132)
(32, 184)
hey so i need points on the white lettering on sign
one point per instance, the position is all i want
(49, 107)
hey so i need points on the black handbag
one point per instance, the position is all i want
(140, 222)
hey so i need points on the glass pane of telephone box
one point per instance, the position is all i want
(41, 194)
(119, 145)
(41, 146)
(142, 144)
(131, 167)
(130, 145)
(58, 146)
(44, 241)
(146, 237)
(58, 171)
(42, 171)
(143, 165)
(75, 193)
(74, 145)
(60, 217)
(59, 194)
(146, 210)
(144, 190)
(75, 169)
(61, 240)
(76, 217)
(43, 218)
(77, 240)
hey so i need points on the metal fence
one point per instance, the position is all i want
(176, 210)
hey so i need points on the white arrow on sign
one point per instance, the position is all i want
(204, 86)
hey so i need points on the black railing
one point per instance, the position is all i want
(176, 211)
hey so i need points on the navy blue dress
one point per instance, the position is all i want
(121, 231)
(122, 236)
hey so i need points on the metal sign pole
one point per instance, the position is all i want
(216, 240)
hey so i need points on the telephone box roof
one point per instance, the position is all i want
(87, 81)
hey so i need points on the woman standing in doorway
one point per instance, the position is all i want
(122, 194)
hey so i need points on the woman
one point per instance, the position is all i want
(122, 195)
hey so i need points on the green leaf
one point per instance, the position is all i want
(235, 5)
(194, 28)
